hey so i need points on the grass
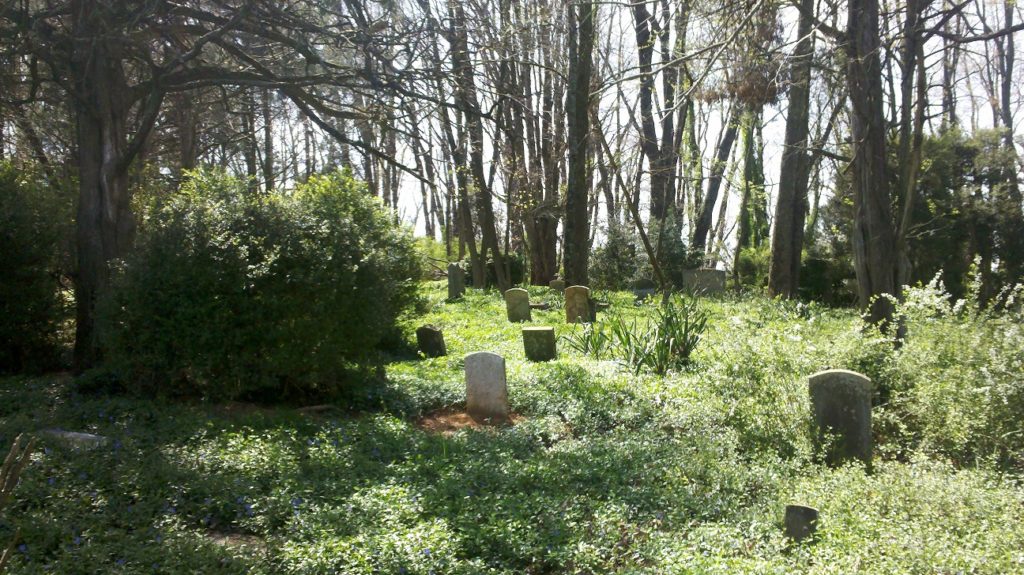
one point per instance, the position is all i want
(607, 472)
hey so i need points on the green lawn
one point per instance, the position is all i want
(605, 472)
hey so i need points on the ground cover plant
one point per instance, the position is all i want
(607, 469)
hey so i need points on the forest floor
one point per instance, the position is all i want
(604, 470)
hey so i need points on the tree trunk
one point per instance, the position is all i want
(874, 236)
(105, 226)
(706, 208)
(791, 205)
(577, 233)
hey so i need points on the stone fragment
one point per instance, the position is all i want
(430, 341)
(539, 343)
(841, 405)
(517, 305)
(486, 389)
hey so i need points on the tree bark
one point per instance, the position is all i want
(791, 204)
(577, 225)
(874, 236)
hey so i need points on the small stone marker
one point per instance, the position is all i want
(456, 281)
(75, 438)
(557, 285)
(841, 403)
(577, 305)
(800, 522)
(539, 343)
(705, 281)
(517, 305)
(543, 306)
(486, 390)
(430, 341)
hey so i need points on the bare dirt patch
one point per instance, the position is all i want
(450, 420)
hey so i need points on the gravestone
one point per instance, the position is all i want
(841, 404)
(517, 305)
(486, 390)
(800, 522)
(644, 288)
(557, 285)
(577, 305)
(542, 306)
(430, 341)
(539, 343)
(75, 438)
(456, 281)
(704, 281)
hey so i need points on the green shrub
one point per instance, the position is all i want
(34, 220)
(233, 295)
(613, 266)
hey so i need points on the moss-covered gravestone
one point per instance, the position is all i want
(486, 390)
(704, 281)
(841, 404)
(430, 341)
(517, 305)
(456, 281)
(800, 522)
(539, 343)
(557, 285)
(577, 305)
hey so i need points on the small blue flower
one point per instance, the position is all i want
(23, 548)
(120, 562)
(77, 540)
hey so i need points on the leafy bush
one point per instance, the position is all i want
(34, 220)
(233, 295)
(956, 382)
(613, 265)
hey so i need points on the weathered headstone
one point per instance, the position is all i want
(841, 403)
(557, 285)
(517, 305)
(486, 390)
(430, 341)
(644, 288)
(577, 305)
(705, 281)
(539, 343)
(456, 281)
(800, 522)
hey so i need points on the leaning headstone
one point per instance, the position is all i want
(841, 402)
(557, 285)
(517, 305)
(577, 305)
(704, 281)
(800, 522)
(486, 390)
(430, 341)
(539, 343)
(456, 281)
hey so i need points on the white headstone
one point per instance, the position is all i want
(486, 389)
(517, 305)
